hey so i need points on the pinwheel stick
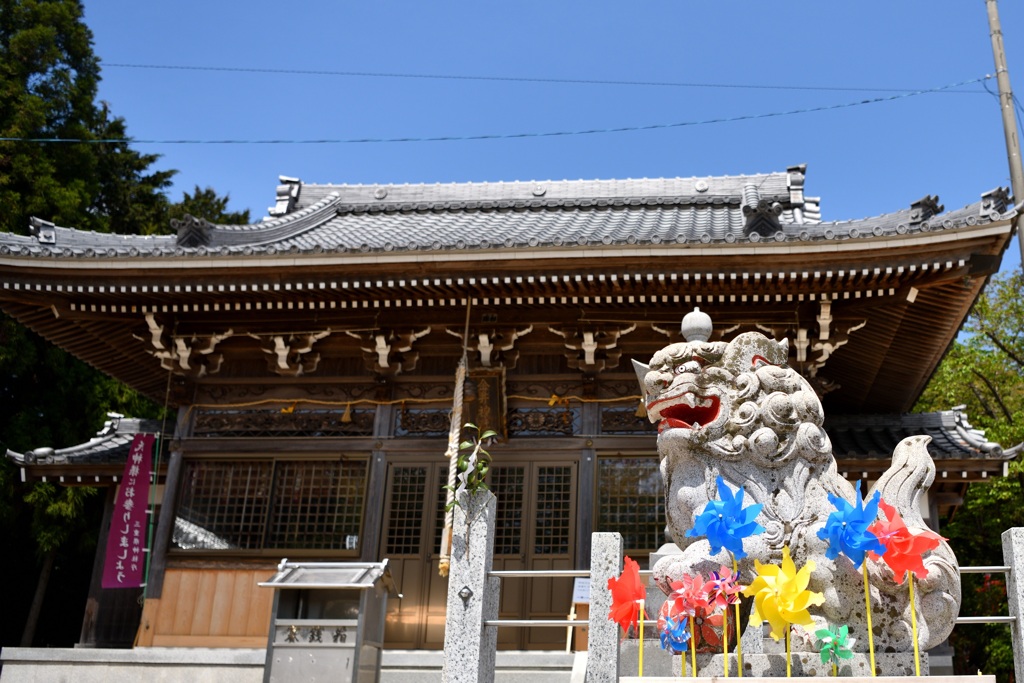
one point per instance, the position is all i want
(739, 627)
(867, 605)
(693, 646)
(913, 627)
(789, 671)
(725, 640)
(835, 669)
(640, 656)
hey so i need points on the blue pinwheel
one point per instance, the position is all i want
(725, 522)
(847, 528)
(675, 634)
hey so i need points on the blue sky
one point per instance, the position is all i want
(862, 159)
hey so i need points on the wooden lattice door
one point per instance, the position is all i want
(414, 518)
(536, 529)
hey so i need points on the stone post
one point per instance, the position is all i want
(1013, 555)
(603, 636)
(469, 646)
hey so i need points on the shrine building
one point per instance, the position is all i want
(312, 362)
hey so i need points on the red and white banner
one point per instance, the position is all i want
(125, 559)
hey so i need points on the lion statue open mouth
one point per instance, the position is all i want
(737, 410)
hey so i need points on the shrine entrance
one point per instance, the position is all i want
(535, 530)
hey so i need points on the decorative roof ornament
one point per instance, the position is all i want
(696, 326)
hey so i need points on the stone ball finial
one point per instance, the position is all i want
(696, 326)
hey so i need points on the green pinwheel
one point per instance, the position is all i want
(834, 645)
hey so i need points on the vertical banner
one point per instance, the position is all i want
(125, 560)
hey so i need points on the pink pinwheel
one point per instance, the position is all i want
(904, 549)
(725, 587)
(690, 595)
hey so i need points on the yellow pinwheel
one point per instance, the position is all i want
(780, 594)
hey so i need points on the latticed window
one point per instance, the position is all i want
(270, 505)
(631, 500)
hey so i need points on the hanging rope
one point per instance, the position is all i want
(452, 454)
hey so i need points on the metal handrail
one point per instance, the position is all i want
(548, 573)
(993, 569)
(986, 620)
(536, 622)
(583, 573)
(540, 573)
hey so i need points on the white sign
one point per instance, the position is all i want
(581, 590)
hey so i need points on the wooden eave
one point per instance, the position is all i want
(914, 291)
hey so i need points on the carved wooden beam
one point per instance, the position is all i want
(190, 356)
(291, 355)
(389, 352)
(592, 348)
(493, 347)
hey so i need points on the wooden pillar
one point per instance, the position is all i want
(92, 603)
(376, 491)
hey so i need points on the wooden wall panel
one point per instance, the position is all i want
(213, 608)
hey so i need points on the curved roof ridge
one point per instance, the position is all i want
(779, 185)
(194, 232)
(114, 436)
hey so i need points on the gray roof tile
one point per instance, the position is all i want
(874, 436)
(374, 218)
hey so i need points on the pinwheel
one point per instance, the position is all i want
(834, 645)
(724, 591)
(690, 597)
(781, 597)
(847, 532)
(904, 553)
(725, 523)
(847, 528)
(627, 591)
(675, 635)
(628, 596)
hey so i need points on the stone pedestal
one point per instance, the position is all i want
(852, 679)
(469, 646)
(658, 662)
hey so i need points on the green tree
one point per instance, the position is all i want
(985, 373)
(48, 84)
(207, 204)
(48, 87)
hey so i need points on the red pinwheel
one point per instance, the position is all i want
(692, 598)
(904, 549)
(626, 590)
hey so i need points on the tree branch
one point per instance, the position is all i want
(982, 401)
(1002, 347)
(995, 395)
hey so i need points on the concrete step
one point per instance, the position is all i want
(223, 665)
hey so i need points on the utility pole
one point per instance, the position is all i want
(1006, 105)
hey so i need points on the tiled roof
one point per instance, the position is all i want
(484, 216)
(871, 437)
(110, 445)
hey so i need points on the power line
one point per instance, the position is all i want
(506, 79)
(507, 136)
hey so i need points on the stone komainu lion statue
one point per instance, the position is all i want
(738, 411)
